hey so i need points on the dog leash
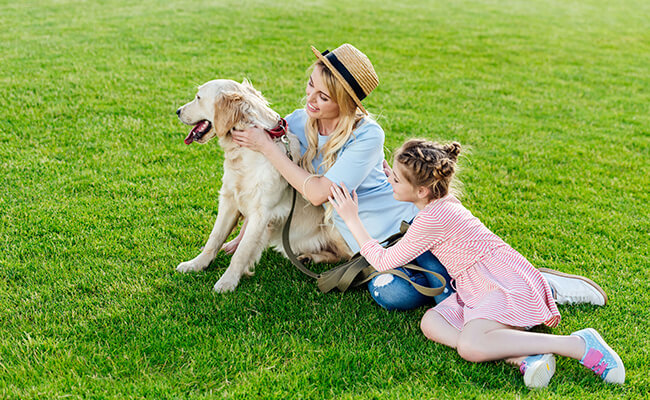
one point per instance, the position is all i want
(357, 271)
(287, 246)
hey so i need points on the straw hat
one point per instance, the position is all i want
(353, 69)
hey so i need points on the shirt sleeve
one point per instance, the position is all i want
(423, 235)
(296, 121)
(359, 156)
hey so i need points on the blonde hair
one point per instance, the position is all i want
(349, 118)
(431, 165)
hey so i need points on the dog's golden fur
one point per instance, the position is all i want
(251, 187)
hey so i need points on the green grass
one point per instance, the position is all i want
(100, 199)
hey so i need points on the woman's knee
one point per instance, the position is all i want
(394, 293)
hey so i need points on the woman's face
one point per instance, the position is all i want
(320, 105)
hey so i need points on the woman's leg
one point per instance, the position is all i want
(394, 293)
(429, 261)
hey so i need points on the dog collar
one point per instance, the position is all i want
(279, 130)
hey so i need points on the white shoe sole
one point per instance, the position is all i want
(579, 277)
(541, 375)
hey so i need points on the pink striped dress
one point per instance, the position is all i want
(492, 280)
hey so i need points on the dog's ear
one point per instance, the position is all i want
(247, 83)
(248, 86)
(228, 111)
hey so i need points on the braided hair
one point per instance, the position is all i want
(429, 164)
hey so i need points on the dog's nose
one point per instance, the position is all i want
(178, 112)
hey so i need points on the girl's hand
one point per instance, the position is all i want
(345, 205)
(253, 138)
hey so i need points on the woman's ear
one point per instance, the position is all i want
(228, 110)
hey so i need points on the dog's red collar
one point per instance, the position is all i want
(279, 130)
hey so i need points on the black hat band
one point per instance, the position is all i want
(331, 57)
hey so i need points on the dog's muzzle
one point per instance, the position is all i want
(198, 131)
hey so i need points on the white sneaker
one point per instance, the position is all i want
(573, 289)
(538, 370)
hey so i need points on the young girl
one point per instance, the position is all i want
(499, 293)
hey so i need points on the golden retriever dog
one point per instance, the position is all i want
(251, 187)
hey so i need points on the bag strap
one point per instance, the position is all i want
(425, 290)
(287, 246)
(357, 271)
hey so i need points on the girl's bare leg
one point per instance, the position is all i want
(486, 340)
(230, 247)
(436, 328)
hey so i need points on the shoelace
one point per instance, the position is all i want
(594, 360)
(573, 297)
(600, 368)
(523, 367)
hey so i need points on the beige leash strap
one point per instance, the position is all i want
(357, 271)
(287, 246)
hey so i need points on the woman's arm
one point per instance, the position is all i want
(316, 189)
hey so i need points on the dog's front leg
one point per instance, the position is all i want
(226, 219)
(248, 253)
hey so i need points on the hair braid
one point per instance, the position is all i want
(429, 164)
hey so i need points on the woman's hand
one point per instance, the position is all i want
(346, 205)
(253, 138)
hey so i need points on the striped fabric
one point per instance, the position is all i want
(492, 280)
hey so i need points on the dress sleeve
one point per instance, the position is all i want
(359, 156)
(424, 234)
(296, 121)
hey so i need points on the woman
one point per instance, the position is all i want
(341, 143)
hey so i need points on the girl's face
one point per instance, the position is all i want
(402, 188)
(320, 104)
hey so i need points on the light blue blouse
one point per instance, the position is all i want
(359, 166)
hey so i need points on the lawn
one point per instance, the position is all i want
(100, 199)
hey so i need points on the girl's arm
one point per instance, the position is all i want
(316, 189)
(422, 236)
(348, 209)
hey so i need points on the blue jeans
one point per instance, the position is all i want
(394, 293)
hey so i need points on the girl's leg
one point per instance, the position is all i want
(486, 340)
(436, 328)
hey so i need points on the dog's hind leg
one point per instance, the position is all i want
(321, 257)
(249, 251)
(226, 219)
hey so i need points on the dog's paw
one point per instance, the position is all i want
(225, 284)
(306, 258)
(190, 266)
